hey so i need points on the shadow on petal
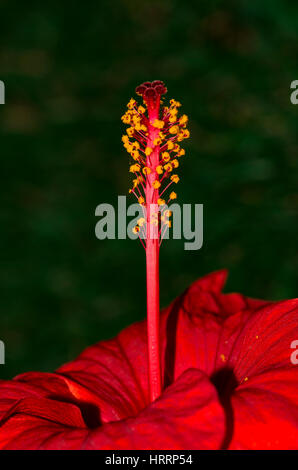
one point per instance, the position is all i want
(90, 412)
(225, 383)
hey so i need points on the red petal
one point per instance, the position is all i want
(227, 336)
(116, 371)
(201, 326)
(187, 416)
(265, 412)
(268, 393)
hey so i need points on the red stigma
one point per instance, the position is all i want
(151, 91)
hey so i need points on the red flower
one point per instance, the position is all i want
(228, 383)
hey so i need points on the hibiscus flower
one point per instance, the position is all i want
(228, 383)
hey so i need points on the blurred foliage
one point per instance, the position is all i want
(69, 70)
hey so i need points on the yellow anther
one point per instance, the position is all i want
(223, 357)
(183, 120)
(168, 223)
(246, 379)
(148, 151)
(136, 229)
(141, 109)
(173, 195)
(135, 154)
(161, 202)
(176, 148)
(126, 118)
(157, 141)
(161, 135)
(159, 170)
(170, 145)
(166, 156)
(181, 152)
(136, 145)
(175, 163)
(146, 170)
(168, 167)
(138, 126)
(186, 133)
(174, 130)
(158, 124)
(134, 168)
(167, 213)
(172, 118)
(131, 103)
(175, 178)
(125, 139)
(141, 200)
(156, 184)
(136, 119)
(130, 131)
(141, 221)
(175, 103)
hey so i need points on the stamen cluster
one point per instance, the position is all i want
(153, 140)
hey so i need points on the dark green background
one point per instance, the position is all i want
(69, 70)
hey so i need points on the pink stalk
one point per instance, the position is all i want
(150, 171)
(152, 261)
